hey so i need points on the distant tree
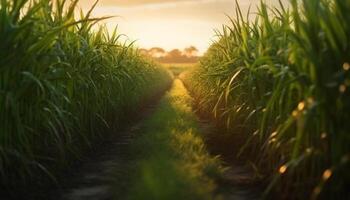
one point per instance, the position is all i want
(191, 51)
(144, 51)
(175, 53)
(188, 55)
(156, 52)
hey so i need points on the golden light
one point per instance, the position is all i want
(323, 135)
(282, 169)
(301, 106)
(342, 88)
(273, 140)
(327, 174)
(273, 134)
(346, 66)
(295, 113)
(169, 24)
(256, 132)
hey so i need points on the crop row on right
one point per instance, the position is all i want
(281, 81)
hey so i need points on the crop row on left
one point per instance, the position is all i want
(64, 82)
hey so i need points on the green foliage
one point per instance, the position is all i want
(283, 80)
(64, 82)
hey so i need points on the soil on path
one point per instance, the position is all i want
(239, 181)
(94, 178)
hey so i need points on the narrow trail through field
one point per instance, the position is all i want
(95, 179)
(163, 156)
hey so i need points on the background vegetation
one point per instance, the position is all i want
(64, 82)
(281, 82)
(188, 55)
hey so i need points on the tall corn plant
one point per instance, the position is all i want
(62, 85)
(282, 79)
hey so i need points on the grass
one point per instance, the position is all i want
(282, 81)
(172, 162)
(64, 82)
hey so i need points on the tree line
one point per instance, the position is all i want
(187, 55)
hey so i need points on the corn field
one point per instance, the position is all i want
(65, 82)
(281, 80)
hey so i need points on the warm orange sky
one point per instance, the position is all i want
(169, 23)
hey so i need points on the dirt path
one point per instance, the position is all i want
(115, 172)
(95, 178)
(239, 181)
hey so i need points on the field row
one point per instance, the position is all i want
(279, 84)
(65, 83)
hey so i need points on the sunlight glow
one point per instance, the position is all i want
(342, 88)
(301, 106)
(327, 174)
(282, 169)
(169, 24)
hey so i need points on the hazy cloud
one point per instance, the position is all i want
(170, 23)
(141, 2)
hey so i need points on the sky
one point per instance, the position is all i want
(169, 24)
